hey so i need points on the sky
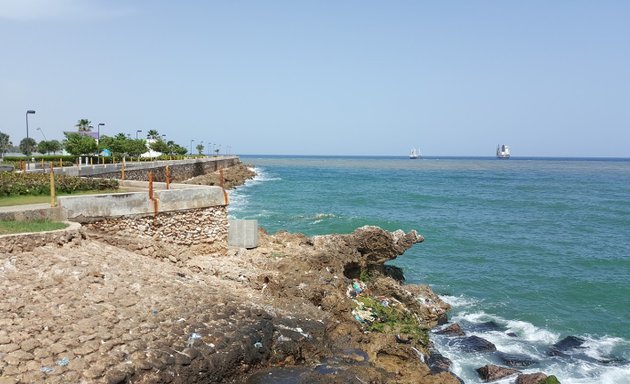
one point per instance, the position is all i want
(342, 77)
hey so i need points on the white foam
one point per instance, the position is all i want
(459, 301)
(603, 348)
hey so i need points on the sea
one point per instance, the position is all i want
(528, 251)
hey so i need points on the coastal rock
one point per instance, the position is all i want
(532, 378)
(568, 343)
(515, 360)
(487, 326)
(452, 330)
(493, 372)
(438, 363)
(474, 344)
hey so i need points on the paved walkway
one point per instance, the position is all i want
(24, 207)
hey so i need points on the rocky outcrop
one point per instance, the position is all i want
(474, 344)
(565, 345)
(232, 177)
(531, 378)
(451, 330)
(88, 311)
(493, 372)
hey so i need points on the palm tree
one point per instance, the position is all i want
(153, 134)
(83, 125)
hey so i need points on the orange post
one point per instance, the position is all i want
(52, 186)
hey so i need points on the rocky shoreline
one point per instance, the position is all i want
(296, 309)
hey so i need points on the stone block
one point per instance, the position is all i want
(243, 233)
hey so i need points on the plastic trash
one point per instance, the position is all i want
(191, 340)
(258, 344)
(46, 370)
(63, 362)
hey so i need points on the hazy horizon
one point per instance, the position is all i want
(325, 78)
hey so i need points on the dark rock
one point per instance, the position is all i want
(531, 378)
(493, 372)
(516, 360)
(565, 345)
(452, 330)
(442, 319)
(474, 344)
(395, 273)
(485, 327)
(438, 363)
(512, 334)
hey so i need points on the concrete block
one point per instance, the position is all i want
(243, 233)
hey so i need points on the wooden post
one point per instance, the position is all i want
(42, 164)
(60, 163)
(52, 186)
(122, 171)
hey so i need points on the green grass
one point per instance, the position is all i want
(37, 199)
(11, 226)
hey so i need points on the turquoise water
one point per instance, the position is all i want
(541, 246)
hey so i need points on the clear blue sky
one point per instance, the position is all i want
(549, 78)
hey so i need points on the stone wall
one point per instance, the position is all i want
(179, 170)
(26, 242)
(171, 236)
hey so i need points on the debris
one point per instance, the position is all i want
(46, 370)
(63, 362)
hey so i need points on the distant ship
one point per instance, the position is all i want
(503, 152)
(414, 154)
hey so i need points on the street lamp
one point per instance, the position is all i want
(39, 129)
(138, 131)
(191, 141)
(29, 112)
(98, 133)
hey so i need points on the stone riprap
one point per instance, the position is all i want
(173, 236)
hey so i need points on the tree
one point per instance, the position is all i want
(5, 144)
(77, 144)
(153, 134)
(200, 148)
(55, 146)
(160, 146)
(83, 125)
(48, 146)
(28, 146)
(178, 149)
(136, 147)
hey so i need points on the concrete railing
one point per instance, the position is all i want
(179, 197)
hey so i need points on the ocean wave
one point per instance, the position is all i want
(459, 301)
(598, 360)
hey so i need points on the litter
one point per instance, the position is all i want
(191, 340)
(63, 362)
(46, 369)
(258, 344)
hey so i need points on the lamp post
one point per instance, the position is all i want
(29, 112)
(98, 133)
(138, 131)
(191, 141)
(39, 129)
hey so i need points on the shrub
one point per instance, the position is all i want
(12, 184)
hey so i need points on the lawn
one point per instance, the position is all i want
(11, 226)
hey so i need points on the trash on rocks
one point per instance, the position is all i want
(63, 362)
(154, 312)
(46, 370)
(363, 315)
(191, 340)
(258, 344)
(357, 288)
